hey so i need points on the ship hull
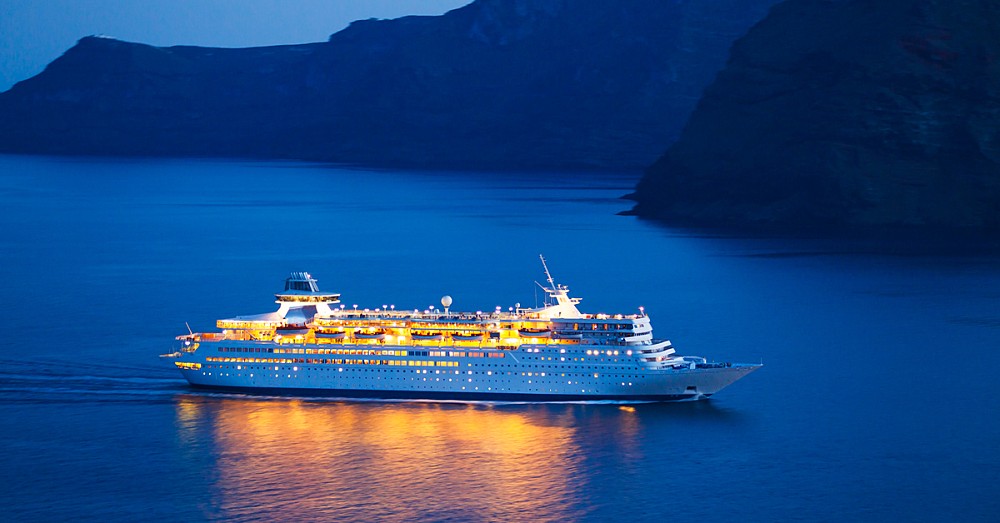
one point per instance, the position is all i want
(450, 395)
(342, 382)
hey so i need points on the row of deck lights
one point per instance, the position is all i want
(428, 310)
(609, 353)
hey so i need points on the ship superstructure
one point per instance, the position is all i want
(313, 345)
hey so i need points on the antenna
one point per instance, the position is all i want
(545, 300)
(189, 329)
(547, 275)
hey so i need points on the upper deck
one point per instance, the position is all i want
(308, 316)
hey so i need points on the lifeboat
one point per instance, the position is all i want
(291, 330)
(467, 337)
(535, 333)
(331, 335)
(372, 335)
(427, 336)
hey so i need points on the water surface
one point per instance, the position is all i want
(877, 401)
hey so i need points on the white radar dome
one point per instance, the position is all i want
(446, 301)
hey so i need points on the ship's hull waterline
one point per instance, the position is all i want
(680, 385)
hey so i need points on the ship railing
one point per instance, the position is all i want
(714, 365)
(242, 335)
(416, 315)
(519, 314)
(655, 350)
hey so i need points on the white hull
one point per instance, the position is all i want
(571, 375)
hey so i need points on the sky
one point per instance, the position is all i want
(36, 32)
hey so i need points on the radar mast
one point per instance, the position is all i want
(548, 276)
(564, 307)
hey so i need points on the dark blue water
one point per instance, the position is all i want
(878, 401)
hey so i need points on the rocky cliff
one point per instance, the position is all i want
(856, 114)
(495, 84)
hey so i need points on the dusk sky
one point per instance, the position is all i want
(33, 33)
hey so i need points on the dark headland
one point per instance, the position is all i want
(497, 84)
(854, 115)
(831, 115)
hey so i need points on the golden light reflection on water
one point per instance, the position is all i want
(391, 461)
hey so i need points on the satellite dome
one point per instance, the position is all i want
(446, 301)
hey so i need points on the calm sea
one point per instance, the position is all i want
(878, 401)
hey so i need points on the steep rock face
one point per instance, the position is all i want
(495, 84)
(854, 113)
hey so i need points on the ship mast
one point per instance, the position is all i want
(548, 276)
(564, 307)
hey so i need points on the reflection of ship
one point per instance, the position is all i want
(550, 353)
(365, 462)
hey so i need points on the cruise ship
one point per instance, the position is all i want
(315, 346)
